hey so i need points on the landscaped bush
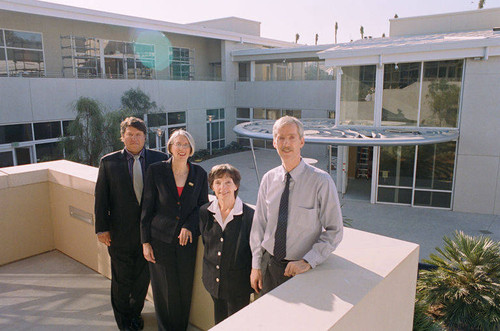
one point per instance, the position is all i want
(463, 292)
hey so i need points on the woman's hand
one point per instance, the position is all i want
(185, 236)
(147, 250)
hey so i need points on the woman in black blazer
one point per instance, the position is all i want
(225, 225)
(174, 190)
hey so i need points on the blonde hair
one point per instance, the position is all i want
(181, 132)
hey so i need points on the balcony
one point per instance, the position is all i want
(367, 283)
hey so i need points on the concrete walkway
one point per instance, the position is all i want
(423, 226)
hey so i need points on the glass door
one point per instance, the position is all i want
(23, 155)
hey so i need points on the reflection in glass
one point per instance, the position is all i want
(6, 159)
(25, 62)
(20, 39)
(243, 112)
(400, 94)
(15, 133)
(273, 114)
(432, 199)
(48, 152)
(177, 117)
(1, 38)
(441, 93)
(157, 119)
(435, 164)
(396, 165)
(3, 63)
(259, 113)
(294, 113)
(357, 96)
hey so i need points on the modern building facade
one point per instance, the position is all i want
(439, 71)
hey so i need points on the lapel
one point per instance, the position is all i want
(124, 173)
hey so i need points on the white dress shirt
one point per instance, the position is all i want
(315, 226)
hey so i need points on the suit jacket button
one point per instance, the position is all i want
(177, 218)
(219, 253)
(217, 280)
(221, 239)
(217, 267)
(178, 203)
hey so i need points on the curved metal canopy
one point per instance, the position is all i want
(324, 131)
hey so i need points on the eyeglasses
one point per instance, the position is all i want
(179, 145)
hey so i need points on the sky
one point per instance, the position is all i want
(283, 19)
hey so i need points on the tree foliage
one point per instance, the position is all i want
(137, 103)
(480, 5)
(464, 290)
(443, 99)
(86, 142)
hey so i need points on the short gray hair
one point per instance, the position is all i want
(286, 120)
(181, 132)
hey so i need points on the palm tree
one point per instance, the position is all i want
(396, 16)
(336, 29)
(297, 36)
(464, 290)
(316, 39)
(362, 31)
(480, 5)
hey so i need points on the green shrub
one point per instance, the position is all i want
(464, 290)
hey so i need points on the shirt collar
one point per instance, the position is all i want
(215, 209)
(131, 156)
(295, 172)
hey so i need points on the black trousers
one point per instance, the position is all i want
(172, 283)
(225, 308)
(129, 283)
(273, 273)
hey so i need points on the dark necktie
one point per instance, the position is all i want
(280, 234)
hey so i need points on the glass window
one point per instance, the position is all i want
(48, 152)
(15, 133)
(432, 199)
(1, 38)
(243, 112)
(243, 71)
(114, 48)
(212, 114)
(435, 164)
(171, 130)
(66, 125)
(25, 62)
(181, 66)
(20, 39)
(259, 113)
(176, 117)
(441, 93)
(6, 159)
(294, 113)
(394, 195)
(273, 114)
(47, 130)
(357, 97)
(157, 119)
(401, 94)
(3, 63)
(396, 165)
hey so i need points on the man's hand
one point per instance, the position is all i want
(256, 280)
(296, 267)
(184, 236)
(105, 238)
(147, 250)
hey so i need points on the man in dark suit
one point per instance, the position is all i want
(118, 195)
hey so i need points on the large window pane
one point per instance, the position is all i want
(243, 112)
(114, 48)
(259, 113)
(441, 93)
(396, 165)
(3, 63)
(212, 114)
(66, 125)
(357, 97)
(1, 38)
(435, 165)
(48, 152)
(6, 159)
(25, 62)
(273, 114)
(23, 39)
(401, 93)
(15, 133)
(432, 199)
(47, 130)
(158, 119)
(176, 117)
(294, 113)
(395, 195)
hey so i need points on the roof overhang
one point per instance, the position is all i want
(279, 54)
(94, 16)
(324, 131)
(449, 46)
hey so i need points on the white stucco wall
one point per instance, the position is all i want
(477, 178)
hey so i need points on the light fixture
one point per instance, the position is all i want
(396, 67)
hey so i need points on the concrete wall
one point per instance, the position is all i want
(232, 24)
(347, 292)
(450, 22)
(477, 178)
(206, 50)
(313, 95)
